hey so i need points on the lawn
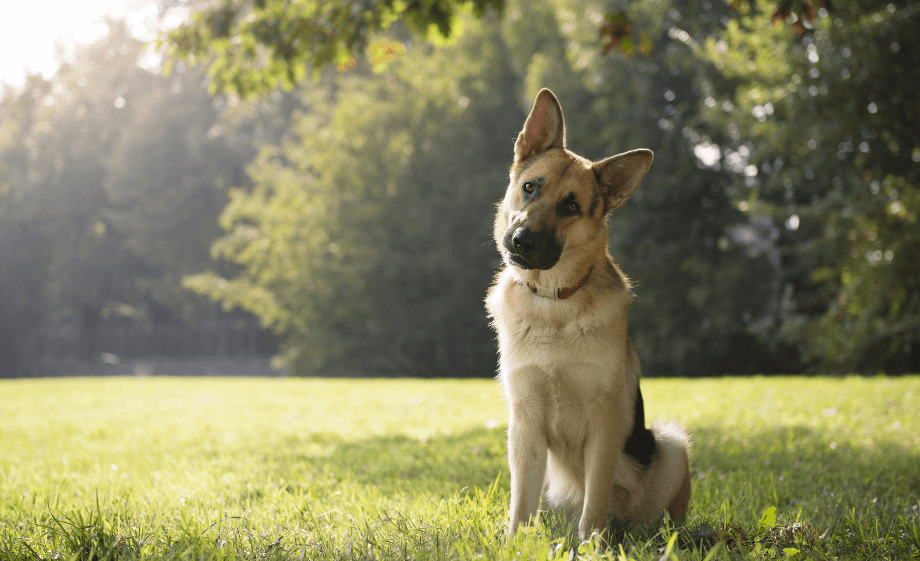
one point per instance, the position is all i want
(171, 468)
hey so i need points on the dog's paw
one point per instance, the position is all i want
(587, 530)
(594, 542)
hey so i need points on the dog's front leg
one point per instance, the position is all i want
(527, 448)
(527, 457)
(601, 454)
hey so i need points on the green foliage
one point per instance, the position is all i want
(166, 183)
(696, 288)
(365, 243)
(365, 240)
(156, 468)
(775, 231)
(255, 46)
(832, 135)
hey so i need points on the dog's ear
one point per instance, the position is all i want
(543, 130)
(620, 175)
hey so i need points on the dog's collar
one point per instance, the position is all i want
(562, 293)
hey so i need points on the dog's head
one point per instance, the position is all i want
(553, 216)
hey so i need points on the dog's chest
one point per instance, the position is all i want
(555, 335)
(573, 392)
(551, 341)
(573, 361)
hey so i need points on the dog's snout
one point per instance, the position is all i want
(532, 249)
(524, 241)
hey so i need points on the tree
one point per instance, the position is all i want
(166, 182)
(724, 237)
(354, 251)
(111, 180)
(54, 185)
(830, 124)
(365, 243)
(698, 287)
(255, 46)
(24, 250)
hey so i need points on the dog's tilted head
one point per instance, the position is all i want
(553, 216)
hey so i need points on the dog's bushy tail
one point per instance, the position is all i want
(666, 484)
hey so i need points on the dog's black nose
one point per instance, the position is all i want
(524, 241)
(531, 249)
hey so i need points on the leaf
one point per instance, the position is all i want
(627, 47)
(343, 66)
(617, 30)
(645, 43)
(384, 51)
(768, 518)
(790, 551)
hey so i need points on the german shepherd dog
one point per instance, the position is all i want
(568, 368)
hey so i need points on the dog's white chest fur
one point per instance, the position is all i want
(570, 339)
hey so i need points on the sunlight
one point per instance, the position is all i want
(35, 37)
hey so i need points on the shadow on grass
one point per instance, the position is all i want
(397, 465)
(803, 454)
(825, 491)
(783, 466)
(803, 472)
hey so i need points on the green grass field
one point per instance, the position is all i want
(153, 468)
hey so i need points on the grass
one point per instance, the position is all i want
(152, 468)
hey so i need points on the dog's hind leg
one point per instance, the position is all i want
(679, 505)
(666, 483)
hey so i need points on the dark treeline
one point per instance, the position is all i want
(775, 232)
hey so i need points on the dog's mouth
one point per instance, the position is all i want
(518, 261)
(542, 261)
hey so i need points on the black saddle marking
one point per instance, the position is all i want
(641, 442)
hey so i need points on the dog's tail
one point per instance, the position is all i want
(666, 485)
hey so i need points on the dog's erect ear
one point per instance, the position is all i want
(543, 130)
(620, 175)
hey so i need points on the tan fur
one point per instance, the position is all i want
(569, 370)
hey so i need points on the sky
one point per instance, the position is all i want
(36, 34)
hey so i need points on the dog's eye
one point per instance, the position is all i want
(568, 206)
(529, 186)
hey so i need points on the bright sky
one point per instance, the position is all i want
(35, 34)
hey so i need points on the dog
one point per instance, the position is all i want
(568, 368)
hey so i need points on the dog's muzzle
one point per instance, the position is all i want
(530, 249)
